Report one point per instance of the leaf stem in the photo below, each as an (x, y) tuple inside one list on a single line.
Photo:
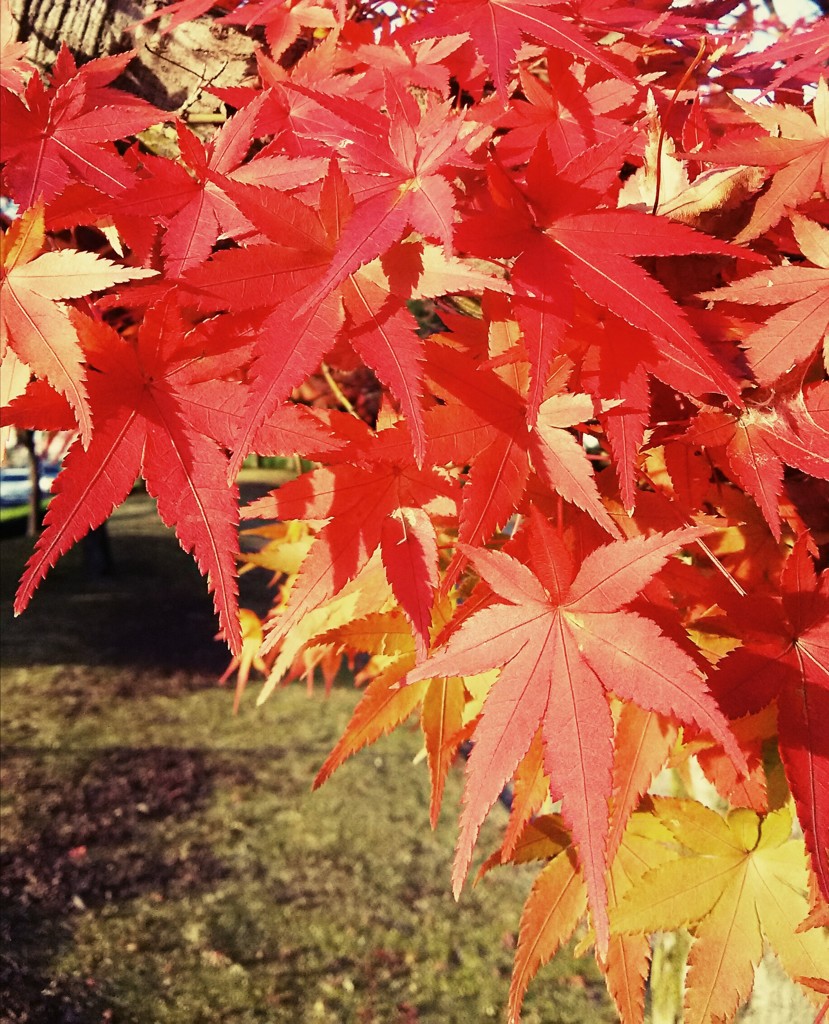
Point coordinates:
[(682, 83)]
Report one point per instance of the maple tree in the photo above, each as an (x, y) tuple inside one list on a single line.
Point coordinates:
[(582, 524)]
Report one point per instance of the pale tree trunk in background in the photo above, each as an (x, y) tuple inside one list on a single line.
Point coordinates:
[(667, 977), (89, 27), (776, 999), (170, 70)]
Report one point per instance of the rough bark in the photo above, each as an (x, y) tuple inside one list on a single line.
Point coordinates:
[(171, 69)]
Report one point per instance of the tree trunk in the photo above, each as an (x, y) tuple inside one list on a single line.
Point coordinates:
[(171, 70), (97, 553), (34, 520)]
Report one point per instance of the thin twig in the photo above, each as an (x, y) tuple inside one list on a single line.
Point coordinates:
[(336, 390), (718, 565)]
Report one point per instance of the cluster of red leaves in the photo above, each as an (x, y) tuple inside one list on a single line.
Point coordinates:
[(581, 528)]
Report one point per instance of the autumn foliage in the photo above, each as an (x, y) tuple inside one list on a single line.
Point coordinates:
[(539, 293)]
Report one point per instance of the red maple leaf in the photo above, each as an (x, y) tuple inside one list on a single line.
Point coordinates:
[(563, 642), (497, 28), (406, 163), (652, 17), (570, 117), (289, 251), (179, 12), (51, 137), (300, 115), (614, 370), (785, 658), (154, 414), (263, 277), (788, 337), (482, 424), (282, 21), (796, 58), (195, 199), (773, 431), (425, 64), (564, 244), (366, 309)]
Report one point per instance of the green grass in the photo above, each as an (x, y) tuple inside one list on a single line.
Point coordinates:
[(8, 515), (166, 862)]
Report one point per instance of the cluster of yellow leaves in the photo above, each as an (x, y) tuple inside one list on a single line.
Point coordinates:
[(733, 882), (738, 881)]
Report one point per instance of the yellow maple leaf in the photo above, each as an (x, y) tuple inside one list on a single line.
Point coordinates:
[(745, 879)]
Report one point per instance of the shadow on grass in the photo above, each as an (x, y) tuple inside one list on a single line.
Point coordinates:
[(87, 838), (152, 611), (88, 843)]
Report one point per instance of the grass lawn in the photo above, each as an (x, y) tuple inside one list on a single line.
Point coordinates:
[(163, 861), (8, 515)]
